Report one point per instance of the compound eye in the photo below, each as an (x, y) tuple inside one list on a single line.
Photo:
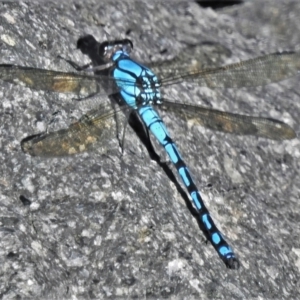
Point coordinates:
[(103, 49), (86, 43), (128, 43)]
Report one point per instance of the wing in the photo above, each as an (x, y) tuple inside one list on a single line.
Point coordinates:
[(83, 85), (254, 72), (96, 128), (229, 122), (201, 56)]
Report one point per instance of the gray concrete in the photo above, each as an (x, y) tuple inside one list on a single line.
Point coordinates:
[(115, 226)]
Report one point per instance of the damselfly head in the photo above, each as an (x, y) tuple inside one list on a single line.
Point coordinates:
[(87, 44)]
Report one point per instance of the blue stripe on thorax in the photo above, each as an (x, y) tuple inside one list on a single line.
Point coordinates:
[(129, 76)]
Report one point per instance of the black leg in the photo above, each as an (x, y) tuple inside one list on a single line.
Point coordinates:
[(74, 65)]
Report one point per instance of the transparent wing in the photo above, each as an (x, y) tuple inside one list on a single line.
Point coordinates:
[(83, 85), (254, 72), (97, 128), (229, 122), (201, 56)]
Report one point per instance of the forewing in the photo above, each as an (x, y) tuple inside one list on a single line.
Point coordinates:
[(81, 84), (191, 58), (229, 122), (254, 72)]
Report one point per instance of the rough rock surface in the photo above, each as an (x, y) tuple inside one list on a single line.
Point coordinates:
[(112, 226)]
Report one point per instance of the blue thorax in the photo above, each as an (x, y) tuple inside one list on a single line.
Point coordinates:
[(138, 84)]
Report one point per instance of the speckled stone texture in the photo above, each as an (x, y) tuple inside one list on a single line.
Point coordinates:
[(97, 226)]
